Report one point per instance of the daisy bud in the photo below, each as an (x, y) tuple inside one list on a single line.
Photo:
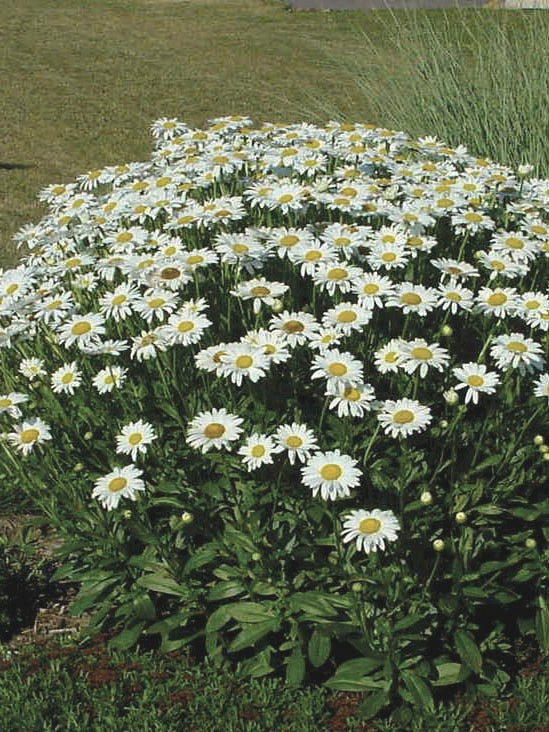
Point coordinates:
[(426, 498), (461, 517), (543, 449), (530, 543), (451, 397), (524, 170), (78, 468), (539, 440), (277, 305), (88, 435), (546, 456), (186, 517), (446, 331), (443, 423), (127, 514), (438, 545), (356, 587), (256, 556)]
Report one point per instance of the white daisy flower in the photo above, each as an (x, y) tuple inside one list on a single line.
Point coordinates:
[(517, 351), (257, 451), (120, 483), (324, 339), (351, 400), (542, 386), (413, 299), (371, 289), (30, 368), (209, 359), (273, 346), (296, 328), (66, 379), (172, 275), (109, 378), (156, 303), (388, 256), (261, 291), (330, 473), (147, 344), (403, 417), (336, 276), (9, 402), (243, 360), (184, 327), (54, 308), (119, 303), (389, 358), (28, 434), (453, 268), (309, 256), (371, 529), (346, 317), (81, 329), (500, 265), (337, 367), (454, 297), (214, 429), (476, 379), (420, 354), (134, 438), (500, 302), (297, 440)]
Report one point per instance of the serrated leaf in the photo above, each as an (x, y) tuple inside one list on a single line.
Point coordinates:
[(418, 689), (161, 583), (318, 648), (295, 669), (250, 635), (223, 590), (468, 650)]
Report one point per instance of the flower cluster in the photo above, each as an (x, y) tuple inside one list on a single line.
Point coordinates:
[(242, 257)]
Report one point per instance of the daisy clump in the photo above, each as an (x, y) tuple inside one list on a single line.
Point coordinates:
[(233, 372)]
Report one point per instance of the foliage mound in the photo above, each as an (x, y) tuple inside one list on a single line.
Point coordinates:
[(282, 391)]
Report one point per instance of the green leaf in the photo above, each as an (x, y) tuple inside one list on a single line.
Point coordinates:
[(468, 650), (357, 667), (488, 463), (318, 648), (295, 670), (202, 556), (372, 704), (249, 612), (259, 665), (450, 673), (408, 622), (313, 603), (161, 583), (127, 638), (252, 634), (419, 690), (223, 590), (218, 619), (349, 684), (542, 624)]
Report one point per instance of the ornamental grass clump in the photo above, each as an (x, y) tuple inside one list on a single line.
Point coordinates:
[(283, 392)]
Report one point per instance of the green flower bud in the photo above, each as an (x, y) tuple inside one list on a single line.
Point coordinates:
[(277, 305), (356, 587), (447, 331), (443, 424), (426, 498), (438, 545), (78, 468), (543, 449), (530, 543), (451, 397), (256, 556), (88, 435), (539, 440), (461, 517), (186, 517)]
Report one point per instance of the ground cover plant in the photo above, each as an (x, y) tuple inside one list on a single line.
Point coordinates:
[(282, 391)]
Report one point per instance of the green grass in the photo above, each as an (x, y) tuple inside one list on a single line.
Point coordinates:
[(64, 687)]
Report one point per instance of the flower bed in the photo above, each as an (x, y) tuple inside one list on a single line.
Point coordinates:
[(283, 392)]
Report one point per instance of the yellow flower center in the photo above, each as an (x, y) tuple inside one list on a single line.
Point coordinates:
[(330, 471), (538, 229), (410, 298), (388, 256), (293, 326), (444, 202), (214, 430), (475, 380), (109, 379), (390, 357), (294, 441), (346, 316), (532, 304), (337, 273), (285, 198), (421, 353), (72, 262), (517, 347), (260, 291), (454, 296), (257, 451), (370, 289), (135, 438), (29, 435), (369, 526), (454, 270), (81, 328), (244, 362), (497, 298), (185, 326), (351, 393), (170, 273), (473, 217), (403, 416), (195, 259), (4, 403), (119, 299), (290, 240), (126, 236), (156, 302), (220, 159), (144, 263), (312, 255), (117, 484), (514, 242), (337, 369), (341, 241), (54, 304), (414, 241), (67, 378), (240, 248)]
